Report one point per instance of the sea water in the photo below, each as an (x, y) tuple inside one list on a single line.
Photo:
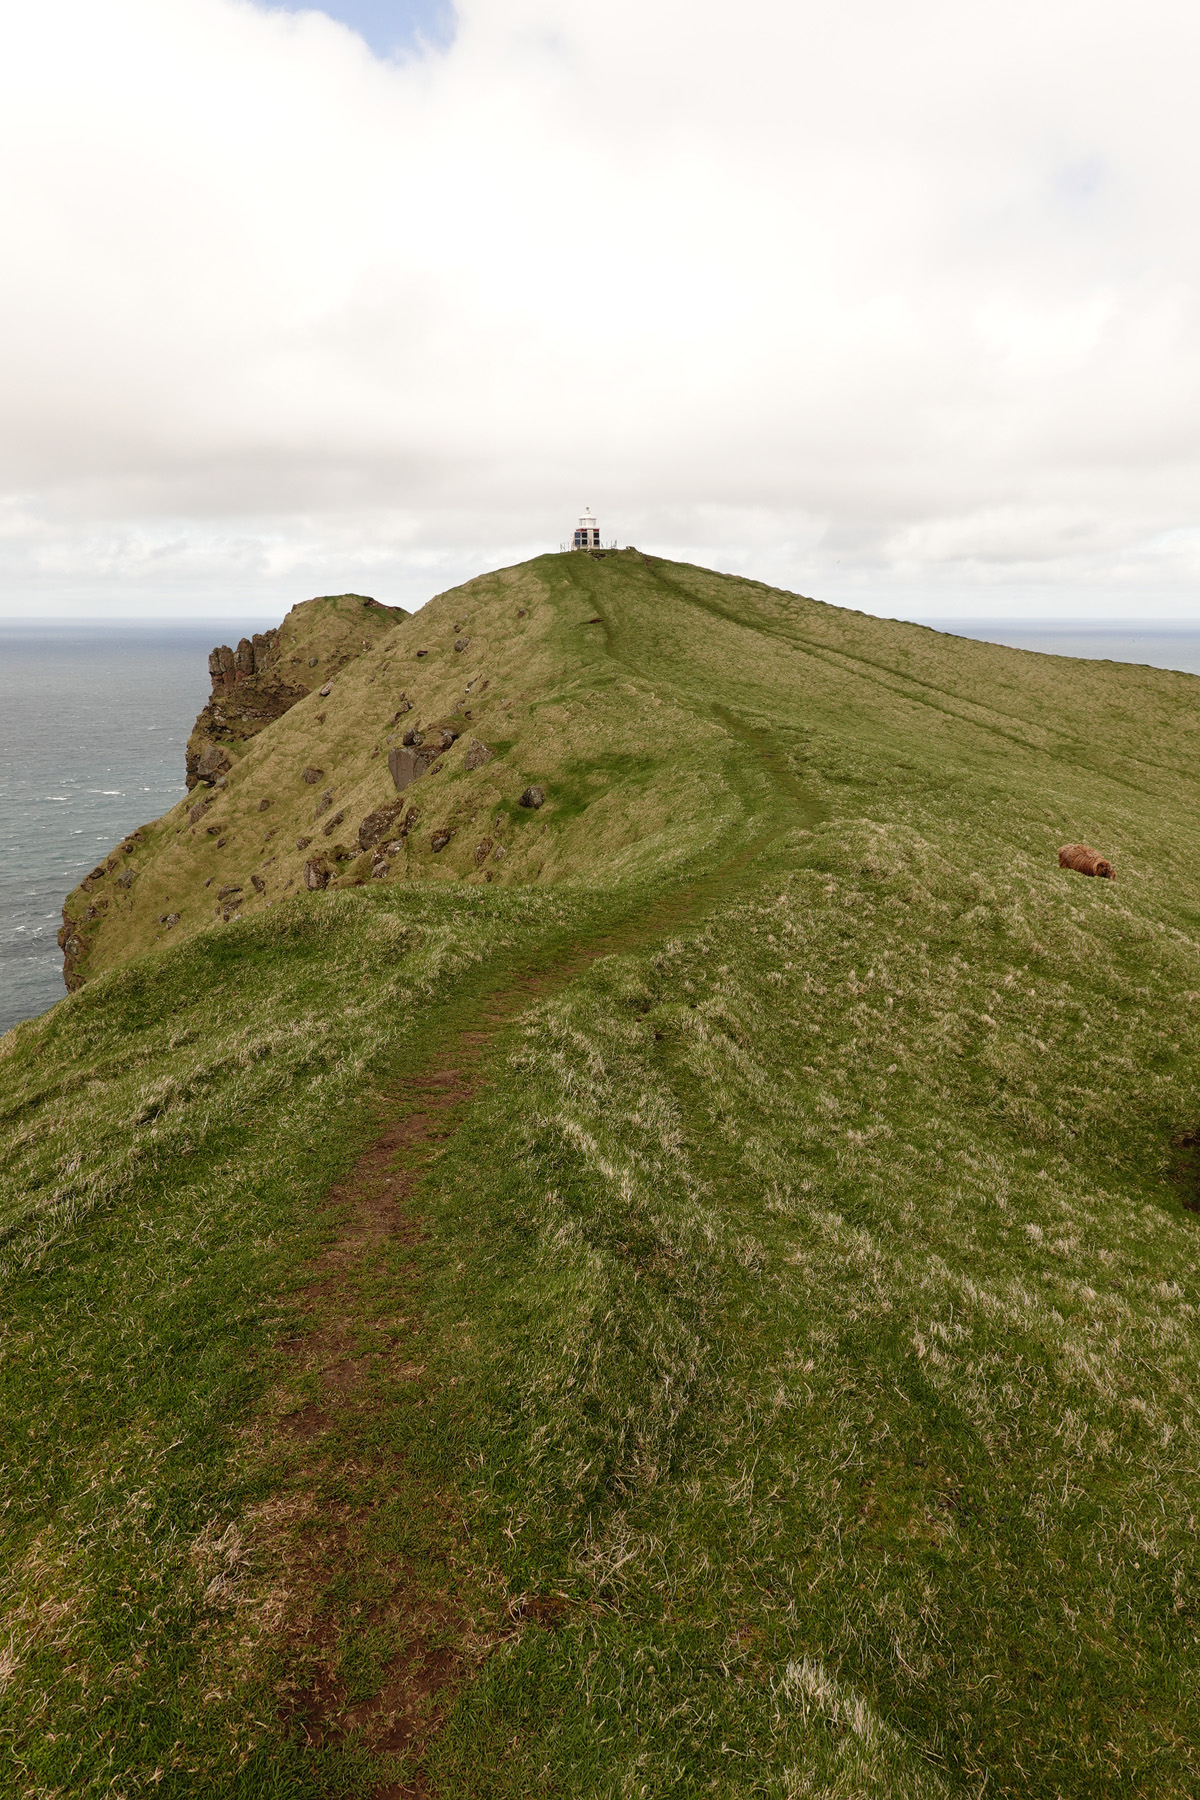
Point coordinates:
[(1161, 646), (93, 726)]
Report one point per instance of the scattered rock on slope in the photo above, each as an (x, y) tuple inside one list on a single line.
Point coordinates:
[(407, 764), (205, 760), (534, 797), (477, 754), (376, 826)]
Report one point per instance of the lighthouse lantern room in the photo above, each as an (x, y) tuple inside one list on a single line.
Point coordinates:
[(586, 535), (587, 532)]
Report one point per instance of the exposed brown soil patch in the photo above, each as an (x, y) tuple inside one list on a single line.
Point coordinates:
[(416, 1681), (1186, 1170)]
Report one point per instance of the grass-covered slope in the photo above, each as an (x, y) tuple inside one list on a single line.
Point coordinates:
[(532, 682), (757, 1357)]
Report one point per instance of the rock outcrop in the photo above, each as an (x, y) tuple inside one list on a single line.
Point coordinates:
[(406, 763), (378, 824), (249, 691), (253, 656), (269, 672)]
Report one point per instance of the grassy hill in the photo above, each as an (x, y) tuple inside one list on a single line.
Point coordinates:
[(688, 1289)]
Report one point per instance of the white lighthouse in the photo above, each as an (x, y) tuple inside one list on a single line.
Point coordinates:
[(587, 532)]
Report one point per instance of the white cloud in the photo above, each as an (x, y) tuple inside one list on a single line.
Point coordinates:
[(897, 305)]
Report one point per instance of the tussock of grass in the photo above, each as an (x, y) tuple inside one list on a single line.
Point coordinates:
[(806, 1303)]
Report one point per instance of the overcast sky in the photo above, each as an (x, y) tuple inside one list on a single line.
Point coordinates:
[(893, 304)]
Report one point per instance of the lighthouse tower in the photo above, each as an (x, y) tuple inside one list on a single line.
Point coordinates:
[(587, 532)]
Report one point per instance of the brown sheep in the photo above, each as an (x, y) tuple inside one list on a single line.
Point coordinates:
[(1086, 860)]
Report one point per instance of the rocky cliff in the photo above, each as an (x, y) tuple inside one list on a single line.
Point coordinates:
[(256, 684), (252, 687)]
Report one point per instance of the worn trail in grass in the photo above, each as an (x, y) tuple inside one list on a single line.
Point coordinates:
[(320, 1558)]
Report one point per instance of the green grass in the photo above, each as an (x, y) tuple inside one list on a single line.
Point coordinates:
[(805, 1299)]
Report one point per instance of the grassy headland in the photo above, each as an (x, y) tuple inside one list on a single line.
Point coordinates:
[(707, 1310)]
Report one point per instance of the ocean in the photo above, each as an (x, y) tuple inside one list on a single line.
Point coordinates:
[(1161, 646), (93, 724)]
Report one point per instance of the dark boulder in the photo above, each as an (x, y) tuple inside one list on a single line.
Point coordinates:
[(408, 764), (378, 824), (534, 797), (316, 874), (477, 754), (210, 761)]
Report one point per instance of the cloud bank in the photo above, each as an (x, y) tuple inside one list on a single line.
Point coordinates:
[(893, 305)]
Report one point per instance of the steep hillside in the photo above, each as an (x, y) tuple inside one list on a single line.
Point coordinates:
[(686, 1287), (258, 682), (111, 914)]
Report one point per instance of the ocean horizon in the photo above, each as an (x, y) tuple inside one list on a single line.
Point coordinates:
[(95, 717)]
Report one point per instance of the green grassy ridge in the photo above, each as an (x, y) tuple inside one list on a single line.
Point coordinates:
[(806, 1294), (554, 705)]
